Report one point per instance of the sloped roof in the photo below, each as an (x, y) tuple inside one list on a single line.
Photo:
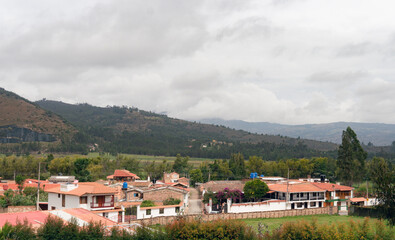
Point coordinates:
[(124, 173), (140, 184), (216, 186), (34, 218), (330, 186), (85, 188), (297, 187)]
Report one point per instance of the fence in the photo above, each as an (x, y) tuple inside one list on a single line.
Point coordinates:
[(226, 216)]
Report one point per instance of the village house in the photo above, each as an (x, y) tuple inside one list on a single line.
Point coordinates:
[(336, 195), (122, 175), (88, 195)]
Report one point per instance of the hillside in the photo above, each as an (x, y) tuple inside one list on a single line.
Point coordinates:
[(130, 130), (376, 133), (24, 121)]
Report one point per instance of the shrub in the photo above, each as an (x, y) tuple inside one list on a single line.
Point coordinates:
[(171, 201), (147, 203)]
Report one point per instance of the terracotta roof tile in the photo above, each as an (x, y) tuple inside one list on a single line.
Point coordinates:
[(124, 173), (297, 187), (330, 186), (85, 188), (216, 186)]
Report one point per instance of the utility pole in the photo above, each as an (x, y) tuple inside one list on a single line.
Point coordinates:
[(38, 187), (287, 196)]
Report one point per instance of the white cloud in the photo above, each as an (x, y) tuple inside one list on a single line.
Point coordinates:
[(286, 61)]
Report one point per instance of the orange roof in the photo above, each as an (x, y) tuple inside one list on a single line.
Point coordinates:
[(85, 188), (124, 173), (34, 218), (330, 186), (292, 188), (88, 216)]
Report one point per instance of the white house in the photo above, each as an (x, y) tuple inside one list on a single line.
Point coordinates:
[(88, 195)]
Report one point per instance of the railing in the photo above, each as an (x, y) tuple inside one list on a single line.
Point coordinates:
[(102, 205)]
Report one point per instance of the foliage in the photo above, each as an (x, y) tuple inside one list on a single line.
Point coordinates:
[(255, 189), (220, 229), (196, 176), (171, 201), (383, 177), (181, 165), (237, 166), (147, 203), (11, 198), (351, 158), (207, 195), (312, 230), (235, 195)]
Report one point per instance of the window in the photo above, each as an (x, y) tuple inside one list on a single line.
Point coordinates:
[(148, 212), (161, 210), (135, 194), (177, 209), (301, 195), (83, 200), (314, 194), (312, 204), (53, 208), (299, 205), (58, 195)]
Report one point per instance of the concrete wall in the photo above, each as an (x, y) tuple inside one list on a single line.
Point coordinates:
[(55, 200), (214, 217), (256, 207), (16, 209), (155, 211)]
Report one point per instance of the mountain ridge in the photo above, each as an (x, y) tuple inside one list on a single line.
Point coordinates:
[(379, 134)]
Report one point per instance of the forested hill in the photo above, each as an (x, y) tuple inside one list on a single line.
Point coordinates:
[(24, 121), (130, 130), (378, 134)]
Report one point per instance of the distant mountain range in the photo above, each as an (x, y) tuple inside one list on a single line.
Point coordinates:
[(378, 134)]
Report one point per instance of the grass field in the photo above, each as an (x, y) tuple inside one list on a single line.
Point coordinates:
[(274, 223), (149, 158)]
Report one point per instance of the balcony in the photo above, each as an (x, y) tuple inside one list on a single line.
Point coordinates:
[(102, 205)]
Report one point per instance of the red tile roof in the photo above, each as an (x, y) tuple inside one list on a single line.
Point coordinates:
[(330, 186), (34, 218), (292, 188), (88, 216), (124, 173), (85, 188)]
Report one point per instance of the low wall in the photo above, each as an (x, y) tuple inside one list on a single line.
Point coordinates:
[(16, 209), (214, 217)]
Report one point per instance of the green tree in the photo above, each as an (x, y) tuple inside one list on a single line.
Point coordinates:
[(181, 165), (196, 176), (255, 189), (20, 180), (351, 158), (255, 164), (81, 169), (237, 166), (383, 178)]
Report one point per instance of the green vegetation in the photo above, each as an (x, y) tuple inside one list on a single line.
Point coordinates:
[(383, 177), (26, 198), (255, 189), (147, 203), (171, 201), (351, 158), (55, 229)]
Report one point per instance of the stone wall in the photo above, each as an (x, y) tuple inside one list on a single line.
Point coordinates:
[(14, 209), (214, 217)]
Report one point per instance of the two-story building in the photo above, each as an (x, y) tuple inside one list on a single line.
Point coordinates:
[(336, 195), (88, 195)]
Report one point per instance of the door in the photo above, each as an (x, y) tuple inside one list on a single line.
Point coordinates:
[(100, 200)]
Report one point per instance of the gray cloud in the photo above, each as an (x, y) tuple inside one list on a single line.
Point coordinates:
[(286, 61)]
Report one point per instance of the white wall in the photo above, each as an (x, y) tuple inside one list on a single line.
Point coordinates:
[(256, 207), (168, 211), (55, 201)]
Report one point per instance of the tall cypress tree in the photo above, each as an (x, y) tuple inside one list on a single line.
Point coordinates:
[(237, 166), (351, 158)]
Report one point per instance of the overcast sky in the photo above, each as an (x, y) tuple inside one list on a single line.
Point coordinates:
[(282, 61)]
